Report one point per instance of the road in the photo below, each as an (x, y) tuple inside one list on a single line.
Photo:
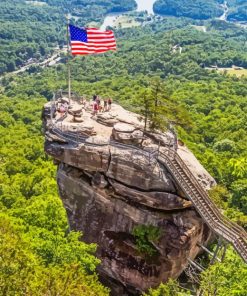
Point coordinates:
[(50, 61)]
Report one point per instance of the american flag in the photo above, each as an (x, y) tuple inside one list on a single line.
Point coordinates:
[(90, 40)]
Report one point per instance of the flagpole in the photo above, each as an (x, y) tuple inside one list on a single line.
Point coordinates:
[(68, 62)]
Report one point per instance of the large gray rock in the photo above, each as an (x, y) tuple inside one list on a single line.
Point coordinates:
[(136, 169), (108, 188), (154, 199), (127, 134)]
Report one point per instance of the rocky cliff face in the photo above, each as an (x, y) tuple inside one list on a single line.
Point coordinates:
[(109, 189)]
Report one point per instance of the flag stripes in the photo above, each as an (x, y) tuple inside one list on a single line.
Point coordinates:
[(91, 40)]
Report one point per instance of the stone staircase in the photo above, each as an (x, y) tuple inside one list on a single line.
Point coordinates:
[(209, 212)]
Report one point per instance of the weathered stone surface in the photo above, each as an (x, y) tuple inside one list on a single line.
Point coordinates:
[(85, 157), (123, 128), (127, 134), (64, 100), (204, 178), (155, 200), (54, 138), (75, 109), (97, 140), (107, 119), (109, 222), (80, 129), (136, 169), (165, 139)]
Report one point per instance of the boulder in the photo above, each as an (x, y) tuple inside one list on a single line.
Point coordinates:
[(202, 176), (138, 169), (127, 134), (155, 200), (107, 119)]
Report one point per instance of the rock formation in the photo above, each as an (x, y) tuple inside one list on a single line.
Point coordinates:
[(111, 183)]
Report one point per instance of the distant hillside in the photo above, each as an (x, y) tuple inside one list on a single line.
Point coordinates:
[(196, 9), (237, 10), (31, 29), (200, 9)]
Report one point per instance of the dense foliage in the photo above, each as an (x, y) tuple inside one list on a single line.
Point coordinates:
[(27, 31), (237, 10), (197, 9), (145, 236), (31, 29), (221, 279), (39, 255)]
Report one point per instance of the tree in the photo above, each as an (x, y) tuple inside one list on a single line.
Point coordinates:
[(145, 103), (159, 109), (10, 66), (227, 278), (171, 288)]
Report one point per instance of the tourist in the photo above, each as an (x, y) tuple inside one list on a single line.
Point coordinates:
[(100, 106), (105, 105), (98, 102), (95, 108), (62, 110), (109, 104)]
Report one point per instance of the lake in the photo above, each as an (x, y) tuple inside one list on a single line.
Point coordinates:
[(145, 5), (141, 6)]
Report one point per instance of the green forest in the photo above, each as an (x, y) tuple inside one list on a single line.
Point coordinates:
[(38, 254), (37, 29), (237, 10), (199, 9), (39, 26)]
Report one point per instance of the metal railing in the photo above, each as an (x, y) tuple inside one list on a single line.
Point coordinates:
[(209, 212)]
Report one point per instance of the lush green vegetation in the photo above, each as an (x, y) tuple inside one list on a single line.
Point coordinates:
[(39, 255), (237, 10), (27, 31), (145, 236), (31, 31), (221, 279), (196, 9), (199, 9)]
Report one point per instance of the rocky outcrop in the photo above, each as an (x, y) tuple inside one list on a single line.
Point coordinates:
[(109, 189)]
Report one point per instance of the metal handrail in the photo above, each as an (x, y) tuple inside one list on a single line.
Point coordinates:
[(223, 227), (206, 196)]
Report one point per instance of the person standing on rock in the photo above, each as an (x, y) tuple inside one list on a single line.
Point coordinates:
[(98, 103), (105, 105), (95, 108), (109, 104)]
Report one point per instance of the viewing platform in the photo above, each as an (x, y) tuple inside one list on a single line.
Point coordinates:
[(77, 116)]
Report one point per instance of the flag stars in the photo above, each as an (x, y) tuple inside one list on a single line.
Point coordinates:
[(77, 34)]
